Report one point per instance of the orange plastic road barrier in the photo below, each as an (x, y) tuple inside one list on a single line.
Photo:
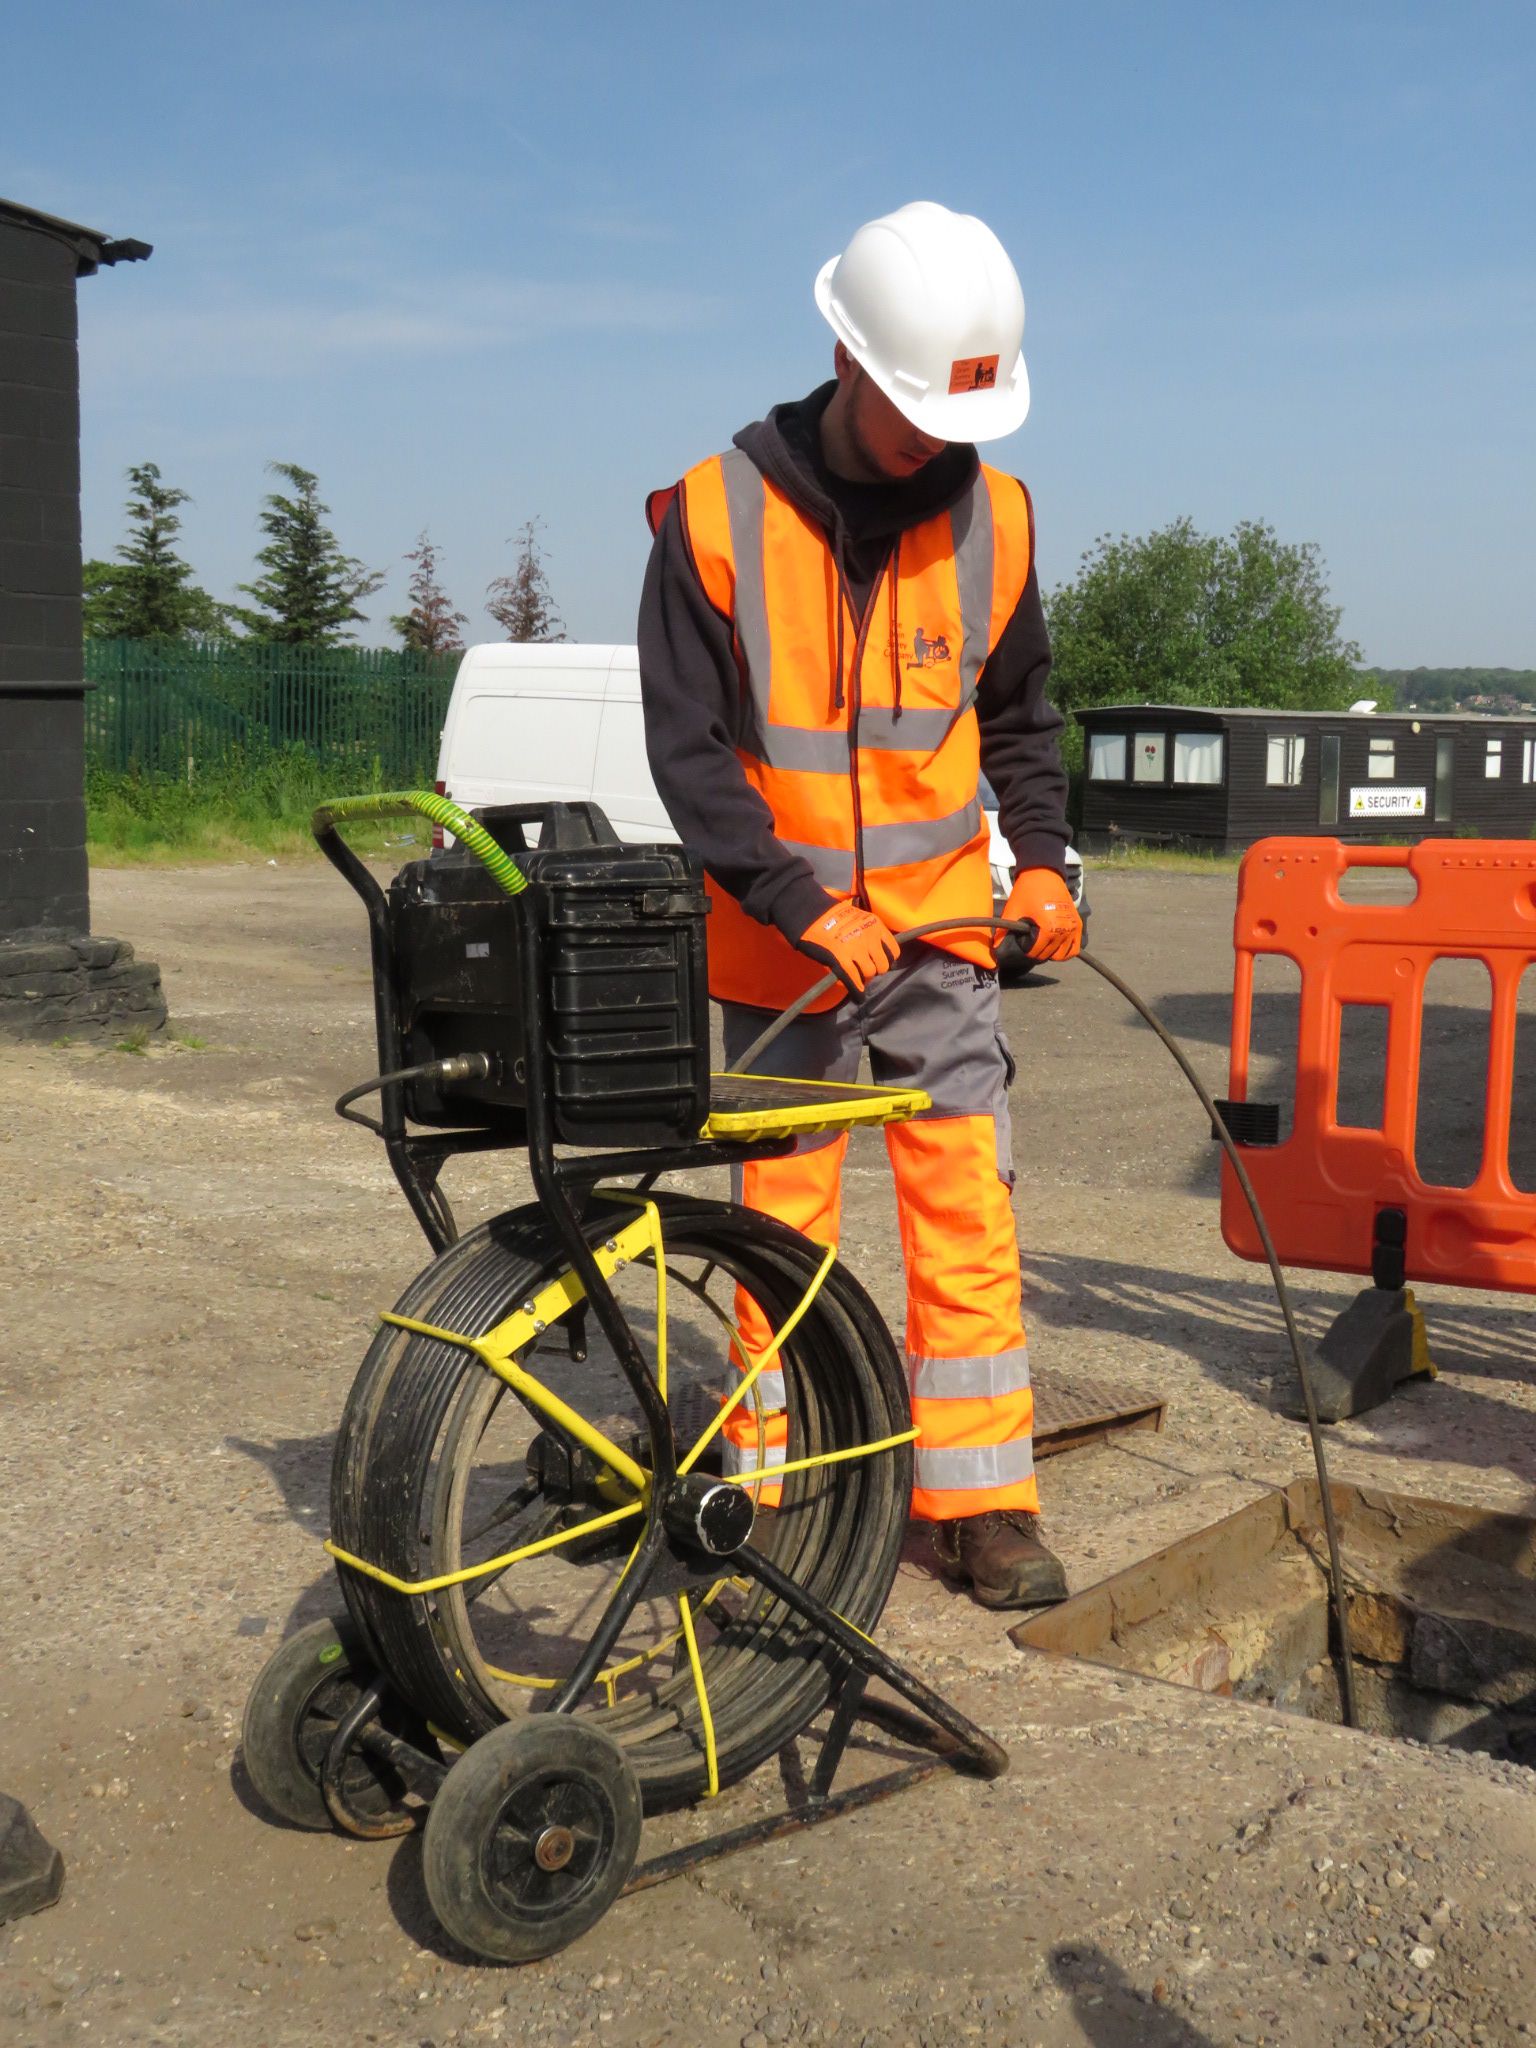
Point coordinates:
[(1325, 1188)]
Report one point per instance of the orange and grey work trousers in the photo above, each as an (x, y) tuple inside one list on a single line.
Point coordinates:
[(930, 1022)]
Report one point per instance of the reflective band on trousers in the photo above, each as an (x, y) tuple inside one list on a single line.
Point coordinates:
[(968, 1379), (768, 1387), (985, 1466), (739, 1458)]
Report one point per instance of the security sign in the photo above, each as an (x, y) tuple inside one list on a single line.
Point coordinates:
[(1386, 800)]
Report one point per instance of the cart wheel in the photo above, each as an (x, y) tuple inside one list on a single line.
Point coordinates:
[(304, 1689), (531, 1838)]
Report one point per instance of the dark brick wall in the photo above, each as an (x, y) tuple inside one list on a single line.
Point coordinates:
[(43, 878)]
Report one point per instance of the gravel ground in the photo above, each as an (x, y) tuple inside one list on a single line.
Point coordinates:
[(196, 1253)]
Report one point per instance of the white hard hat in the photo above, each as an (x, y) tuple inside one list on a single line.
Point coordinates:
[(928, 303)]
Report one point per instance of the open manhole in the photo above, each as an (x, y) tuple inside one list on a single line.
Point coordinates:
[(1441, 1601)]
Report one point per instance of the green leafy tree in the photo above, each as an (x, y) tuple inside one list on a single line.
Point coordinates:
[(431, 626), (310, 591), (521, 604), (1181, 617), (148, 592)]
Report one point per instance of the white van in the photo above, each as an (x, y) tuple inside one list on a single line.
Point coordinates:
[(534, 723)]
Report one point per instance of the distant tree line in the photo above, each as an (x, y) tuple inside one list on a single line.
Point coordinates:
[(1455, 689), (307, 591)]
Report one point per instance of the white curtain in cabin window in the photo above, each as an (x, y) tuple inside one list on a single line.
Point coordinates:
[(1197, 757), (1106, 757), (1284, 753)]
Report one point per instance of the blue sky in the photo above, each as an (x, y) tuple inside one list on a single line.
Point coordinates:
[(475, 263)]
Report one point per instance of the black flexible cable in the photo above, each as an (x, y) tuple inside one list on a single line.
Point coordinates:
[(464, 1066), (1148, 1015)]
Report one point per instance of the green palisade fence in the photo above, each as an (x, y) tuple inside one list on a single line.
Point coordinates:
[(181, 710)]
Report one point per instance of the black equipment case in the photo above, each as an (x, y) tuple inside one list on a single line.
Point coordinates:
[(620, 992)]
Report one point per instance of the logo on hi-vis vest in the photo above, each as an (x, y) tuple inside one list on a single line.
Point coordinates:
[(928, 653), (972, 373)]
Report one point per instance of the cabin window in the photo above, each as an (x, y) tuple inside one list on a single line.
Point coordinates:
[(1528, 761), (1284, 753), (1151, 754), (1445, 777), (1197, 757), (1493, 760), (1106, 757), (1381, 762)]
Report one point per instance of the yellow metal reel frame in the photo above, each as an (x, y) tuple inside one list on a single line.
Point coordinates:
[(496, 1352)]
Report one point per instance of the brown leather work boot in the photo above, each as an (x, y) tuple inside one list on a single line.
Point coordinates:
[(1002, 1557)]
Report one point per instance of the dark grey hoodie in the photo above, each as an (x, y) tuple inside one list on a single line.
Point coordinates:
[(693, 691)]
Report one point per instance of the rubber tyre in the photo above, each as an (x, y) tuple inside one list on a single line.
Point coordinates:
[(303, 1689), (482, 1876)]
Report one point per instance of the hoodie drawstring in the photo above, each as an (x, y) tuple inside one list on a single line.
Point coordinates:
[(895, 575)]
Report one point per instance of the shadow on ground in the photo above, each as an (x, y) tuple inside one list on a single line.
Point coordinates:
[(1232, 1331), (1110, 2010)]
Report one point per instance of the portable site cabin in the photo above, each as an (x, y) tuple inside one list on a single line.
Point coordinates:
[(1182, 774)]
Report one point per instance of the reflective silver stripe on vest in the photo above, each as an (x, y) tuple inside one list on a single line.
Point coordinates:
[(969, 1379), (970, 522), (831, 866), (986, 1465), (768, 1386), (880, 731), (744, 509), (922, 730), (895, 846)]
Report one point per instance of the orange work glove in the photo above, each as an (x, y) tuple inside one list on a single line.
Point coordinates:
[(852, 942), (1041, 896)]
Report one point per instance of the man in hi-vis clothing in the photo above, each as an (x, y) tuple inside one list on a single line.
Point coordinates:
[(841, 632)]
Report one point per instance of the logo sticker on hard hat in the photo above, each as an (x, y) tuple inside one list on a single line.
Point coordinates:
[(972, 373)]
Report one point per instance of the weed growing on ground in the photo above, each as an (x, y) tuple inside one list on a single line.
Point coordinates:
[(190, 1040), (135, 1041), (256, 804), (1182, 860)]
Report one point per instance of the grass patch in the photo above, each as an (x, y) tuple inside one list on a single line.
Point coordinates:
[(134, 1041), (1178, 860), (252, 807)]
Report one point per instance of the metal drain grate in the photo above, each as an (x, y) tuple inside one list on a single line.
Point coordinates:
[(1077, 1408)]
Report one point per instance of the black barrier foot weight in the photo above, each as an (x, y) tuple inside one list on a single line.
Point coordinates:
[(1378, 1342), (31, 1869)]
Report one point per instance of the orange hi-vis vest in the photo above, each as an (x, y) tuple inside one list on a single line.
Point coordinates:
[(860, 734)]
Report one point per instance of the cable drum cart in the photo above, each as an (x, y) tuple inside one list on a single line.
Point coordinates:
[(563, 1606)]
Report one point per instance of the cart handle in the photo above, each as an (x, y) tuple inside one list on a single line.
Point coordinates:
[(399, 803)]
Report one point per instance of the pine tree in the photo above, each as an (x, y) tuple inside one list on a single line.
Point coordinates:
[(521, 604), (431, 626), (148, 592), (310, 591)]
